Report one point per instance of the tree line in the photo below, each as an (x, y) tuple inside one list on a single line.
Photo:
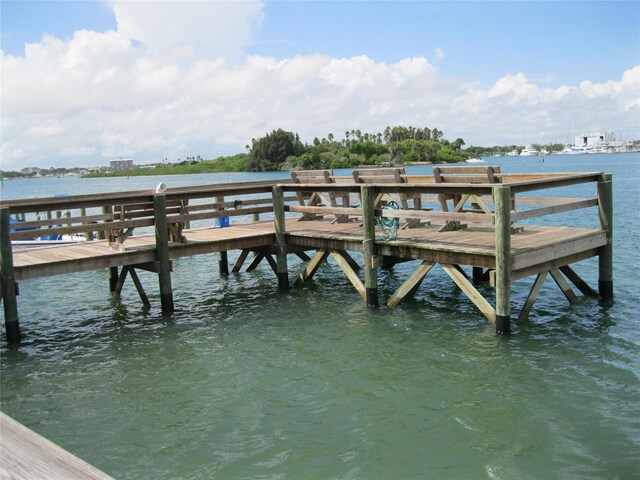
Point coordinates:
[(282, 150)]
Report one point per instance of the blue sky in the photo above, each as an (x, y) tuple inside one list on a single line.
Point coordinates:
[(559, 42), (470, 53)]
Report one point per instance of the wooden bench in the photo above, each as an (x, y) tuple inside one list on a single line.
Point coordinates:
[(318, 198), (391, 175), (465, 174), (125, 218)]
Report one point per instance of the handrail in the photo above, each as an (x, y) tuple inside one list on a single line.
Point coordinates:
[(134, 209), (137, 206)]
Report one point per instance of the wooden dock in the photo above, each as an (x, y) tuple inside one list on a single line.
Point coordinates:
[(461, 217), (25, 455)]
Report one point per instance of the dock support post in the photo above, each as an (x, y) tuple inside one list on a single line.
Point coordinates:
[(605, 253), (369, 245), (9, 298), (113, 279), (223, 258), (281, 247), (162, 252), (477, 274), (502, 202)]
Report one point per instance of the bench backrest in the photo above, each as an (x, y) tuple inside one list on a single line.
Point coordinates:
[(485, 174), (379, 175)]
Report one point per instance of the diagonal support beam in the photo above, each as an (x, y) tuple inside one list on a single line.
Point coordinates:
[(312, 267), (138, 284), (303, 256), (470, 291), (272, 263), (411, 284), (238, 265), (256, 261), (349, 259), (564, 286), (480, 203), (130, 269), (578, 282), (531, 298), (120, 282), (349, 272)]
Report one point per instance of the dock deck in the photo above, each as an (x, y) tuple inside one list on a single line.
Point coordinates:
[(25, 455), (534, 248)]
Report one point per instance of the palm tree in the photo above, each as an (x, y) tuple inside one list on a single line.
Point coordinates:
[(458, 144)]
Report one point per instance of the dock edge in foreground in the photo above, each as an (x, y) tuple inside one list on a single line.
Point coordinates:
[(26, 455)]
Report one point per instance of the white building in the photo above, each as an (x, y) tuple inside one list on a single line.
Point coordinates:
[(29, 170), (121, 164), (594, 140)]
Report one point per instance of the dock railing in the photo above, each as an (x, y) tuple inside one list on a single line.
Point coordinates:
[(473, 205), (115, 216)]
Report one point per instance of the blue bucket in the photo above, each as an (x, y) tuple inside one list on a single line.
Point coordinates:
[(223, 222)]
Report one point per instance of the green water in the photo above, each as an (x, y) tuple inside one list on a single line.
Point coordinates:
[(244, 381)]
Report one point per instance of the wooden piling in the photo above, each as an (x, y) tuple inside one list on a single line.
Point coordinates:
[(280, 247), (477, 274), (223, 258), (9, 295), (162, 252), (502, 202), (605, 253), (369, 245), (113, 279)]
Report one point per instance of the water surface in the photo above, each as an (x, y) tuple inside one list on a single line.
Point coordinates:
[(244, 381)]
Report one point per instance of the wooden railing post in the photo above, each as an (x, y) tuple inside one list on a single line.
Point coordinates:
[(9, 298), (281, 246), (162, 252), (605, 253), (106, 210), (502, 202), (369, 245)]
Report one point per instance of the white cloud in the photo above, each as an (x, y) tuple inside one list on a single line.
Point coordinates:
[(198, 27), (101, 95)]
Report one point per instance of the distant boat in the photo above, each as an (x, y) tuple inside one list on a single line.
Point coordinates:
[(475, 160), (50, 240), (572, 150), (43, 240), (529, 151), (513, 153)]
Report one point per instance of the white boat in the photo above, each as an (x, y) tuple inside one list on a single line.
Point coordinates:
[(572, 150), (529, 151), (513, 153), (474, 160), (44, 240)]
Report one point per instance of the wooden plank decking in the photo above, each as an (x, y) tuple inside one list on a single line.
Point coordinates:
[(25, 455), (474, 246)]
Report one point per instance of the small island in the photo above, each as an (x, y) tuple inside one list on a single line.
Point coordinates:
[(284, 150)]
